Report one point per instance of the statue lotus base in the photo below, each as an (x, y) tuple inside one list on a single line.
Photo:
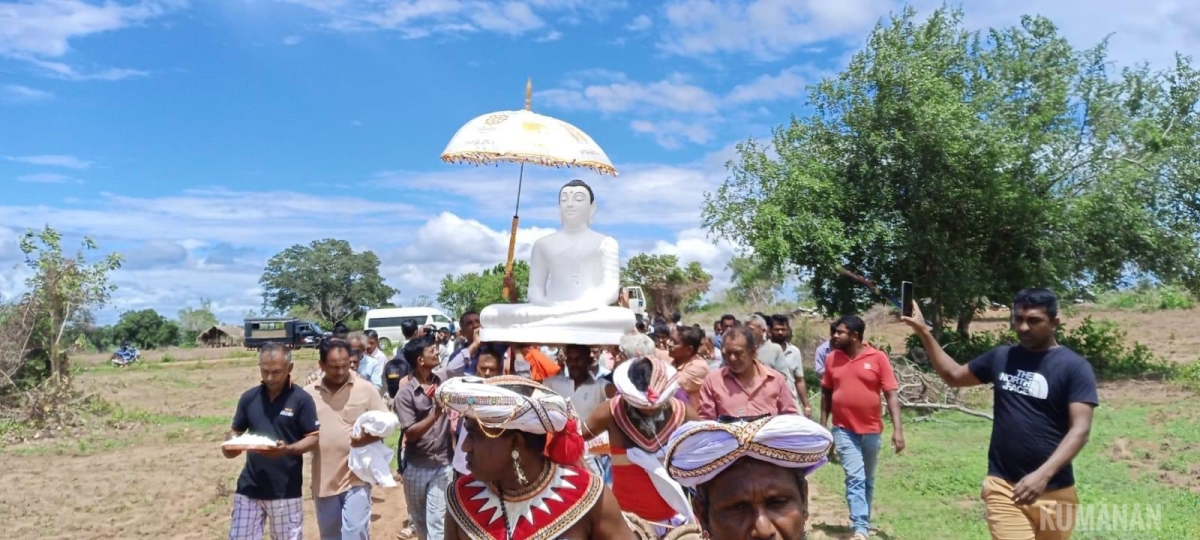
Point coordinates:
[(549, 335), (528, 323)]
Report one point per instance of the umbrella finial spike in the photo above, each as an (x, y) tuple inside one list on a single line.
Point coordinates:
[(529, 94)]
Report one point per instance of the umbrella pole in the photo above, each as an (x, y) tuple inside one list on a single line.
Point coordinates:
[(512, 238)]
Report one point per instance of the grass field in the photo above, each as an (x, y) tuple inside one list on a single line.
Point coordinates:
[(1144, 449), (145, 462)]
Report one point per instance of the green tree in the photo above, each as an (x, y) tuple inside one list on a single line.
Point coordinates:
[(61, 288), (326, 277), (668, 286), (193, 321), (146, 329), (975, 164), (473, 291), (755, 282)]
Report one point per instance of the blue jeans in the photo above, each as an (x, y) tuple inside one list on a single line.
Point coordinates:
[(602, 466), (859, 453), (345, 516)]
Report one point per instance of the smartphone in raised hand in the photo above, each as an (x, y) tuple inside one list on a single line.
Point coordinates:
[(906, 298)]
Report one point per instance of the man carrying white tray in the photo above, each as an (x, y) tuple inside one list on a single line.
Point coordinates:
[(271, 483)]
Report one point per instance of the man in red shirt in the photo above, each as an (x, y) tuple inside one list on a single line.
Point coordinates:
[(855, 375)]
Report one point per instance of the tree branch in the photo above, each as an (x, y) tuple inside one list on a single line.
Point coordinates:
[(905, 404)]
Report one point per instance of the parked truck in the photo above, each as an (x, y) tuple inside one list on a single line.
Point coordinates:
[(295, 333)]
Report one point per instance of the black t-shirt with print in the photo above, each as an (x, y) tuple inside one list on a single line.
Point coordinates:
[(1033, 393), (290, 417)]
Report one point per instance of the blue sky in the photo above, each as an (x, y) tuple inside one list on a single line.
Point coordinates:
[(199, 138)]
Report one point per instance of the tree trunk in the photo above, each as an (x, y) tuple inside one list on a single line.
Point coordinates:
[(964, 322)]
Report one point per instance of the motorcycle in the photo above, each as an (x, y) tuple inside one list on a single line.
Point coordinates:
[(125, 356)]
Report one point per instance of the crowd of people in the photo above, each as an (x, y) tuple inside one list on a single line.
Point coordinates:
[(677, 431)]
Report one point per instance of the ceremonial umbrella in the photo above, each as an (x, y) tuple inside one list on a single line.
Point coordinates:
[(524, 137)]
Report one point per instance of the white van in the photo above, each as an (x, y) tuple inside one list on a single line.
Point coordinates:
[(387, 321)]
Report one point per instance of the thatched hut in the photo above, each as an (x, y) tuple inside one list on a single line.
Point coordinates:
[(221, 336)]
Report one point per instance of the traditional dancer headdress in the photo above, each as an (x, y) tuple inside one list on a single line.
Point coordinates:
[(699, 451), (497, 409), (664, 382)]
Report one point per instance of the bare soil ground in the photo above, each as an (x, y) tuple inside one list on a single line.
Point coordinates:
[(160, 474)]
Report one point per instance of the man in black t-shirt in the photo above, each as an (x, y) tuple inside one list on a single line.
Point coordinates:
[(269, 487), (1044, 396)]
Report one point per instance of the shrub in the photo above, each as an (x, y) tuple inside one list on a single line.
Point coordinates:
[(1102, 343), (1188, 375), (1147, 297)]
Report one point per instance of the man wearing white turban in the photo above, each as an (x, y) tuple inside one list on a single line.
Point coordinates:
[(747, 479), (639, 419), (527, 479)]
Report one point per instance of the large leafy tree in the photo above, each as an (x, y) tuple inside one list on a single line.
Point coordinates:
[(146, 329), (975, 164), (474, 290), (327, 277), (668, 286)]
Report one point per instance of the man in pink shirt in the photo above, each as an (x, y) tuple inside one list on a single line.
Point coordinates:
[(743, 388)]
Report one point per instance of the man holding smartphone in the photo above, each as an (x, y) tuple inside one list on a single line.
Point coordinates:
[(1044, 397)]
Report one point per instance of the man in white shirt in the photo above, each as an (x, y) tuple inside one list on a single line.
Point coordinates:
[(580, 385), (781, 334), (445, 345), (373, 359)]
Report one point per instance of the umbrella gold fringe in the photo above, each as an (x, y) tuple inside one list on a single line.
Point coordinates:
[(487, 158)]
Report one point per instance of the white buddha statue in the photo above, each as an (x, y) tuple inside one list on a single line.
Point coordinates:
[(574, 278)]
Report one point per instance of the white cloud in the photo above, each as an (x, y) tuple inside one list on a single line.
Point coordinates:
[(643, 194), (672, 133), (1152, 30), (35, 31), (765, 29), (290, 40), (15, 93), (640, 23), (63, 71), (672, 94), (694, 245), (788, 84), (46, 28), (70, 162), (554, 35), (155, 253), (46, 178), (421, 18), (241, 217)]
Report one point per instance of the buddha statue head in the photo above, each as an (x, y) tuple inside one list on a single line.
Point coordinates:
[(576, 204)]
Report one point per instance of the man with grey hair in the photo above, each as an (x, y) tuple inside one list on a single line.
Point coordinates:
[(636, 346), (769, 353), (269, 488)]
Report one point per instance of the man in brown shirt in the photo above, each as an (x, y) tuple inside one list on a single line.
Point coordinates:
[(342, 500), (427, 442)]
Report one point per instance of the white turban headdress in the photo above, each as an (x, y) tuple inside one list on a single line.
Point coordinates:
[(664, 382), (497, 408), (699, 451)]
